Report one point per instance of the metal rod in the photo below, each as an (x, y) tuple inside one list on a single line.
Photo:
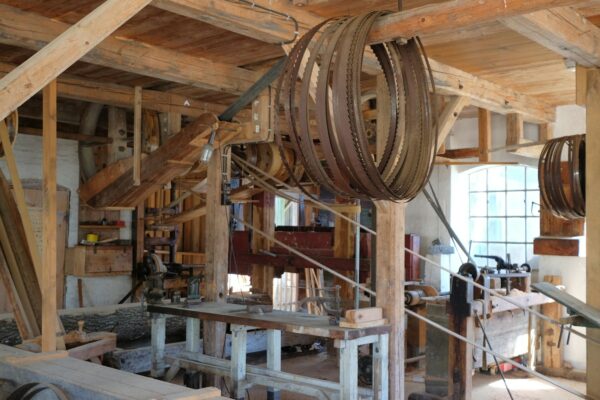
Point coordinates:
[(357, 261)]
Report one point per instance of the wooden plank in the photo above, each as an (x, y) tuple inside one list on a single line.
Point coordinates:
[(19, 195), (485, 134), (551, 350), (364, 314), (217, 257), (363, 324), (94, 349), (129, 55), (562, 30), (97, 140), (390, 219), (49, 270), (44, 66), (23, 324), (556, 247), (137, 135), (187, 215), (344, 239), (449, 116), (469, 152), (581, 85), (113, 186)]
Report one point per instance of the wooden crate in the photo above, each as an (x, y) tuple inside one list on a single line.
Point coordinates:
[(99, 260)]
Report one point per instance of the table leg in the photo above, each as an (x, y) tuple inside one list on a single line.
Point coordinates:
[(348, 369), (192, 379), (273, 359), (380, 367), (238, 360), (158, 336)]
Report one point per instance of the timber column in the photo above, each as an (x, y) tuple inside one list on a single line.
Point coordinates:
[(592, 149), (390, 285), (217, 256)]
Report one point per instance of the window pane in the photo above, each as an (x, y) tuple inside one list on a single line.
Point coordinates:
[(478, 229), (479, 249), (496, 231), (478, 204), (496, 204), (496, 178), (477, 181), (533, 203), (533, 229), (532, 178), (515, 204), (496, 249), (516, 229), (515, 178), (517, 253), (529, 252)]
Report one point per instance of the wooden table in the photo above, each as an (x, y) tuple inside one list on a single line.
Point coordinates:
[(244, 376)]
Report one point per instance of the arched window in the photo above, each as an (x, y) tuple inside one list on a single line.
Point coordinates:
[(504, 212)]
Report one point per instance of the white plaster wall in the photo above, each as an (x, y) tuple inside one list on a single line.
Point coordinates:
[(28, 153), (97, 291)]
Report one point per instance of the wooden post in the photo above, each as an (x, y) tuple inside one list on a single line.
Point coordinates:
[(137, 135), (485, 134), (217, 257), (460, 357), (390, 285), (48, 284), (592, 150), (551, 350), (344, 239), (263, 218)]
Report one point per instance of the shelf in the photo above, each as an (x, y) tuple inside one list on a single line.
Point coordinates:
[(108, 227)]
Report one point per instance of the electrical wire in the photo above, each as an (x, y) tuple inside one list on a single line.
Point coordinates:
[(253, 5)]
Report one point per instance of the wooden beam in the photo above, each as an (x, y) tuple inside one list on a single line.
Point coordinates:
[(592, 149), (434, 18), (137, 135), (552, 354), (128, 55), (562, 30), (99, 140), (217, 257), (390, 278), (452, 15), (581, 85), (71, 87), (263, 218), (469, 152), (49, 270), (35, 73), (449, 116), (488, 95), (485, 134), (514, 129), (556, 247)]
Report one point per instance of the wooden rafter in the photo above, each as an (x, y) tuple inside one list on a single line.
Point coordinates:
[(449, 116), (62, 51), (25, 29), (449, 80), (563, 31)]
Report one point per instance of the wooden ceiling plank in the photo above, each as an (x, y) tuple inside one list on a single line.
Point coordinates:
[(23, 29), (563, 31), (63, 51), (449, 80)]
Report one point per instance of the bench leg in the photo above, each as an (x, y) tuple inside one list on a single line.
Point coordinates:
[(348, 370), (158, 337), (238, 360), (273, 359), (380, 368)]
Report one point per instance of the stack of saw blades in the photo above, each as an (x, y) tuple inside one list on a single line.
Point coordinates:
[(320, 96), (562, 183)]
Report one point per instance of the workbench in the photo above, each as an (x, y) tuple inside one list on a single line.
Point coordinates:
[(243, 376)]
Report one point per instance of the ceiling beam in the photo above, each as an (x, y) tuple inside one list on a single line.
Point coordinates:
[(71, 87), (563, 31), (62, 51), (33, 31), (449, 80)]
